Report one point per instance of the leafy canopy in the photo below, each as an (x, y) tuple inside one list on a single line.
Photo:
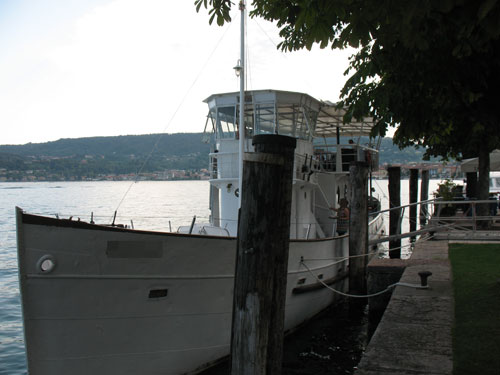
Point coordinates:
[(430, 68)]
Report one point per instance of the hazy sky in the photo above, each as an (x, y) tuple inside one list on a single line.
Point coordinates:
[(73, 68)]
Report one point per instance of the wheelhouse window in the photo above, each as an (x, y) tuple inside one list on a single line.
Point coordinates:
[(286, 120), (296, 121), (226, 122), (264, 118), (266, 112)]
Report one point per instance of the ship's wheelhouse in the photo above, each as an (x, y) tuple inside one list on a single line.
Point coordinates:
[(320, 177)]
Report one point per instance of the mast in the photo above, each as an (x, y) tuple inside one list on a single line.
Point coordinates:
[(242, 101)]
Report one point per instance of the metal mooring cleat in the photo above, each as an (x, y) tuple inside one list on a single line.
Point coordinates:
[(423, 277)]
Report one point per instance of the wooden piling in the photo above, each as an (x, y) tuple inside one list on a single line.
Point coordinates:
[(482, 209), (394, 215), (413, 199), (424, 195), (262, 257), (358, 227), (471, 188)]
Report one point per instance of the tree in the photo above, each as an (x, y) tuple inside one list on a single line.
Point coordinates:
[(429, 68)]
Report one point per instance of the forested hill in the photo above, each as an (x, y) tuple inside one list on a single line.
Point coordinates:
[(96, 156), (179, 144), (88, 158)]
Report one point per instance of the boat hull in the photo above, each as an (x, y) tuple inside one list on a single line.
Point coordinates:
[(105, 300)]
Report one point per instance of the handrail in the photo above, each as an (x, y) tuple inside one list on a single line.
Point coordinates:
[(439, 202), (470, 213), (470, 201), (406, 205)]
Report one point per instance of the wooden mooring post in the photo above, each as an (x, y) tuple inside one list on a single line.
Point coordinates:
[(413, 199), (471, 189), (424, 195), (262, 257), (358, 227), (394, 215)]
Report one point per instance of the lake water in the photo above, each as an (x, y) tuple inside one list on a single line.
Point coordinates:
[(153, 205)]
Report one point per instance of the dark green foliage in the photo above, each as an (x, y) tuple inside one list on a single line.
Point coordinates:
[(179, 144), (11, 161), (430, 68), (392, 154), (476, 334)]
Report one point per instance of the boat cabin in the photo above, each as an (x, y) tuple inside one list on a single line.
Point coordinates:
[(321, 161), (495, 183)]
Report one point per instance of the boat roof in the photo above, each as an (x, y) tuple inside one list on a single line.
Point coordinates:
[(472, 165), (329, 116)]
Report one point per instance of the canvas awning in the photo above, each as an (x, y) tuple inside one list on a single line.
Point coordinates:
[(472, 165), (329, 118)]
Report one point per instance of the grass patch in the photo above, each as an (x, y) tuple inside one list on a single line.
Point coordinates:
[(476, 286)]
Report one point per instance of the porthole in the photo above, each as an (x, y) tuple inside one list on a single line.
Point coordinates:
[(46, 264)]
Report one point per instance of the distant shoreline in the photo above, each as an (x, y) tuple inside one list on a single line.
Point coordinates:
[(105, 180)]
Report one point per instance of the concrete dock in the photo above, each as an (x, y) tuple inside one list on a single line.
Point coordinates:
[(414, 334)]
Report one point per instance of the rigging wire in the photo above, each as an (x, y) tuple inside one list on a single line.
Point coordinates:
[(174, 115), (268, 37)]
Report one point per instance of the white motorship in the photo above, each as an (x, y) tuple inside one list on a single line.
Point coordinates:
[(106, 299), (101, 299)]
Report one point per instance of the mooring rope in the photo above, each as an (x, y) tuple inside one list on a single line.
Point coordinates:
[(388, 289), (344, 258)]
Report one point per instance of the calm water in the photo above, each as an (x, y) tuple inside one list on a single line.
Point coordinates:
[(151, 205)]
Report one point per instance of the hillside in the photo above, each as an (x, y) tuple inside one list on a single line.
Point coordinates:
[(97, 157), (180, 144)]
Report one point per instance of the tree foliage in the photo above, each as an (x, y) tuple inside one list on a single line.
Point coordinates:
[(430, 68)]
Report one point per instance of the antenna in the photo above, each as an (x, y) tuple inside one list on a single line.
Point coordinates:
[(242, 100)]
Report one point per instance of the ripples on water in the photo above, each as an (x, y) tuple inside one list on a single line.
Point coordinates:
[(155, 206)]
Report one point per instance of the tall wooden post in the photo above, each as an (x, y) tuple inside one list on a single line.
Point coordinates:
[(394, 215), (358, 226), (262, 257), (413, 199), (471, 190), (424, 195), (483, 185)]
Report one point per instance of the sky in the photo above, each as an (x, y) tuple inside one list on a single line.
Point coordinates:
[(72, 68)]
